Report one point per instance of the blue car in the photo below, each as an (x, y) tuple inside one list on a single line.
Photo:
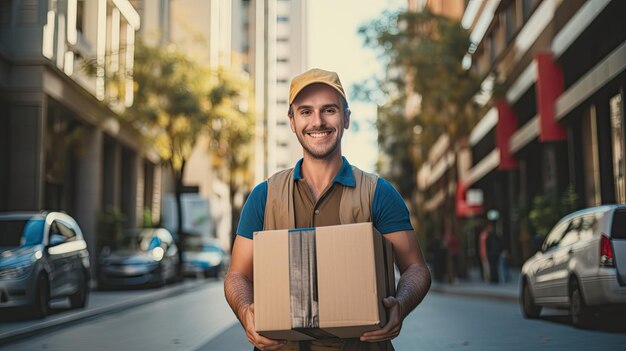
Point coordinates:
[(43, 256), (146, 257), (207, 259)]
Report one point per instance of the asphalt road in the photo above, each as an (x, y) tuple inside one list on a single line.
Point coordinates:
[(199, 319)]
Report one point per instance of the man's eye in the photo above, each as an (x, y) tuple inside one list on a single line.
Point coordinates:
[(305, 112), (330, 110)]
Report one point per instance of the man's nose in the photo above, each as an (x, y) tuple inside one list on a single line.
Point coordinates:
[(317, 118)]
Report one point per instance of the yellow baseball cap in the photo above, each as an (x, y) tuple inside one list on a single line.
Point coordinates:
[(313, 76)]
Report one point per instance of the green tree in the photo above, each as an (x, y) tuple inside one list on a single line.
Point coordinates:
[(232, 130), (548, 209), (176, 101), (424, 53)]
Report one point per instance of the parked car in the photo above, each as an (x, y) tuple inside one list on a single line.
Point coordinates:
[(146, 256), (43, 256), (581, 265), (207, 259)]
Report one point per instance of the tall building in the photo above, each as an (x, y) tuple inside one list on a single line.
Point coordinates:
[(558, 120), (203, 31), (275, 51), (63, 82)]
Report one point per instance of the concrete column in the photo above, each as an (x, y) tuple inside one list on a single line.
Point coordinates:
[(89, 190), (112, 171), (129, 187), (141, 184), (25, 178)]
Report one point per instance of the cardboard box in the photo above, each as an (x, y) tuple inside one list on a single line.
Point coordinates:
[(323, 282)]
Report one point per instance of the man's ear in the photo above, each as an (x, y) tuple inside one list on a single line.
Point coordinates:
[(346, 118), (291, 124)]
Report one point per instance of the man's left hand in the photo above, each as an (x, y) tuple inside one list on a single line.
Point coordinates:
[(393, 326)]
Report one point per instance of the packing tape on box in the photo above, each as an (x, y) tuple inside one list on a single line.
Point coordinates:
[(303, 284)]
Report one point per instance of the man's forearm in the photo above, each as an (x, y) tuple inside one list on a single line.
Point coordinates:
[(412, 288), (238, 292)]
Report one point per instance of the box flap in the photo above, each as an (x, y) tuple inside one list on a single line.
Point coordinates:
[(271, 284), (346, 263)]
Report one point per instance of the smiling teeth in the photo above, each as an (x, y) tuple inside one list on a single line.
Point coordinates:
[(319, 135)]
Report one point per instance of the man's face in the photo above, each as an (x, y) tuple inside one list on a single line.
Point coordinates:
[(319, 120)]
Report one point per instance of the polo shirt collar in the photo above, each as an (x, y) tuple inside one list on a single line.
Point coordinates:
[(343, 177)]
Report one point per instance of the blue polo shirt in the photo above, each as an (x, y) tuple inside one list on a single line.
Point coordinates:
[(389, 212)]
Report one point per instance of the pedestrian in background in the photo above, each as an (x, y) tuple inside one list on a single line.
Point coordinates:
[(319, 191), (492, 246), (482, 251), (503, 266), (494, 249)]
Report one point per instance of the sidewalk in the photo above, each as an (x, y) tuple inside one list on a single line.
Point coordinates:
[(473, 286), (106, 302), (15, 327)]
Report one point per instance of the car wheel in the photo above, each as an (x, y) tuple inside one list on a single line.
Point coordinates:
[(579, 311), (79, 298), (529, 308), (42, 297)]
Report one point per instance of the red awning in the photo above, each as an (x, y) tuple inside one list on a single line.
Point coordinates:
[(463, 209)]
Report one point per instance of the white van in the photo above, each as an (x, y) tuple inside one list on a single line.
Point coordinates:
[(581, 265)]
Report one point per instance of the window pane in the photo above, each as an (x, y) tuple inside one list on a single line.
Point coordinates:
[(619, 225), (617, 132)]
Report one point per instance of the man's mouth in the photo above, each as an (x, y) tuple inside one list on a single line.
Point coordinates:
[(318, 134)]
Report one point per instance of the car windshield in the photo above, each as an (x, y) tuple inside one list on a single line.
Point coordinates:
[(21, 232), (140, 240), (211, 248), (199, 247)]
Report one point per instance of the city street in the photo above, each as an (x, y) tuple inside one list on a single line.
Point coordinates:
[(198, 318)]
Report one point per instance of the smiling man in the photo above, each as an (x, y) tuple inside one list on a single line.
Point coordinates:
[(325, 190)]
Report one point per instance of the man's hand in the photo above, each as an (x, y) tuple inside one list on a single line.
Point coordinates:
[(262, 343), (393, 326)]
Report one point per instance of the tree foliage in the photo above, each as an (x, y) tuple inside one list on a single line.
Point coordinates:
[(424, 54), (548, 208), (172, 105), (178, 100), (232, 125)]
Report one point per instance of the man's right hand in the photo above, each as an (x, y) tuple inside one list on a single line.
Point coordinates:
[(262, 343)]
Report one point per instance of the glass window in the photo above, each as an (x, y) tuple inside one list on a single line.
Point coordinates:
[(588, 226), (33, 232), (80, 15), (591, 162), (15, 233), (509, 22), (527, 8), (5, 11), (491, 45), (572, 234), (617, 133), (61, 232), (555, 236), (618, 230)]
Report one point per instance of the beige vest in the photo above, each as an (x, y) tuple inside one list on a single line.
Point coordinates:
[(355, 207)]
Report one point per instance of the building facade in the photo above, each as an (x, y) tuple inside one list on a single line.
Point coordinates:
[(555, 119), (65, 76), (275, 51)]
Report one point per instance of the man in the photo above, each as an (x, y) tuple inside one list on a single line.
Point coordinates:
[(323, 189)]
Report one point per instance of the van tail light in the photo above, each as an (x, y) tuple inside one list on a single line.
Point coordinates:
[(606, 252)]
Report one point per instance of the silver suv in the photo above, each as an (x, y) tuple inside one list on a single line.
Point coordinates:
[(581, 265), (43, 256)]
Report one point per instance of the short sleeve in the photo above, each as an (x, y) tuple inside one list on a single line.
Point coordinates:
[(389, 211), (253, 212)]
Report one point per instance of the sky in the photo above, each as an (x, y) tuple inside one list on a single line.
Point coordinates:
[(334, 45)]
